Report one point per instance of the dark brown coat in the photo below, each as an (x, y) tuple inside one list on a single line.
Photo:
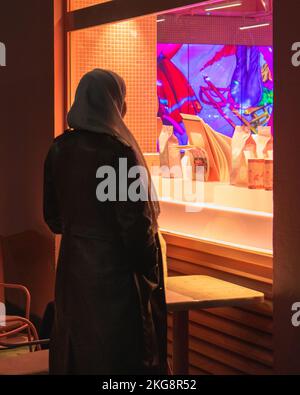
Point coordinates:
[(110, 309)]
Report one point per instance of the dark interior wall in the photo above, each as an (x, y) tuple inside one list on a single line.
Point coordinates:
[(287, 187), (26, 131)]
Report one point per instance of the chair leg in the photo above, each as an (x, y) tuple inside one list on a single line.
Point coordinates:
[(170, 371), (29, 336)]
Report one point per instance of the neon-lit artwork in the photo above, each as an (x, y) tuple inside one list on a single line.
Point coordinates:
[(225, 85)]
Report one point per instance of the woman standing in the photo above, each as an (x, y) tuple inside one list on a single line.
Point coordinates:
[(110, 309)]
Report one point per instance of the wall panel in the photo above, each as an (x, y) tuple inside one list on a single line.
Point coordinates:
[(128, 48)]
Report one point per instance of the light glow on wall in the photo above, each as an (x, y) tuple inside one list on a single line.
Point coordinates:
[(128, 48)]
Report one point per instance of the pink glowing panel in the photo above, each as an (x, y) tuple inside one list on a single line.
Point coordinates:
[(226, 85)]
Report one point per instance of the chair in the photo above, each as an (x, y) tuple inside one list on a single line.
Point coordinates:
[(35, 361), (11, 325)]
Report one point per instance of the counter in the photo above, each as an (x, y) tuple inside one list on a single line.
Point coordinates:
[(224, 214)]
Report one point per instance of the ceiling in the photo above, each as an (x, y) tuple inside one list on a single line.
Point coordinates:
[(247, 8)]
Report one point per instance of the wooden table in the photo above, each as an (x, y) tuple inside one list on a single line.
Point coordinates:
[(199, 292), (29, 363)]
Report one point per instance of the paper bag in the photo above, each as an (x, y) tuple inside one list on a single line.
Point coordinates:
[(264, 143), (243, 148), (169, 153)]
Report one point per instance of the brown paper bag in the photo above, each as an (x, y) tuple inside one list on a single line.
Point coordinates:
[(193, 157), (243, 148), (169, 153), (264, 142)]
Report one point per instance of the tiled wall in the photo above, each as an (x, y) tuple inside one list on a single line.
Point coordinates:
[(77, 4), (212, 30), (128, 48)]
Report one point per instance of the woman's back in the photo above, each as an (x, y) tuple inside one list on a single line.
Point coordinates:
[(73, 162), (110, 309), (97, 307)]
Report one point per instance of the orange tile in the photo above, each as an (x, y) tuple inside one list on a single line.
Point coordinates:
[(77, 4), (128, 48)]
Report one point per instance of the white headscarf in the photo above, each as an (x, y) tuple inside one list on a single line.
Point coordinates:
[(98, 107)]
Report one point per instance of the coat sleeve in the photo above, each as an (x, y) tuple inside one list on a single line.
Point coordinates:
[(51, 208), (136, 232)]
